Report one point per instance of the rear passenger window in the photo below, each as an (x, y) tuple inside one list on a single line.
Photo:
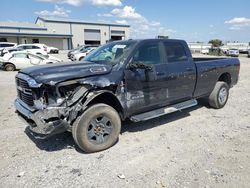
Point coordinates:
[(148, 54), (175, 52), (35, 47), (7, 45), (20, 55)]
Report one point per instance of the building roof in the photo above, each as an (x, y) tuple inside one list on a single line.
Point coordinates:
[(20, 25), (59, 20), (35, 34)]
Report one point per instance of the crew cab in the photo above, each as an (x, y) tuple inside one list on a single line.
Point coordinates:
[(133, 79)]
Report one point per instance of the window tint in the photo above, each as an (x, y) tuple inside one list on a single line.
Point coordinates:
[(175, 52), (148, 54), (26, 47), (6, 45), (35, 47), (20, 55)]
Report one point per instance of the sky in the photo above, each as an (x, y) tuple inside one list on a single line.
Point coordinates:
[(191, 20)]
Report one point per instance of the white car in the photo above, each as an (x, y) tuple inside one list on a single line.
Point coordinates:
[(33, 48), (7, 45), (23, 59), (79, 50), (81, 55), (205, 51), (233, 52), (52, 50)]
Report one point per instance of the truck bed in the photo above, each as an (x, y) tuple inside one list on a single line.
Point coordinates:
[(209, 71)]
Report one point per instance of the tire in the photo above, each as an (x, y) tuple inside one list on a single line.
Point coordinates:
[(81, 58), (97, 129), (219, 96), (9, 67)]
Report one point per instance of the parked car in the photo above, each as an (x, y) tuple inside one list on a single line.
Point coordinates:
[(73, 50), (205, 51), (81, 55), (52, 50), (78, 50), (143, 79), (233, 52), (248, 53), (23, 59), (33, 48), (7, 45)]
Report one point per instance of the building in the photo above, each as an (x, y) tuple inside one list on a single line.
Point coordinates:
[(241, 46), (63, 34), (199, 47)]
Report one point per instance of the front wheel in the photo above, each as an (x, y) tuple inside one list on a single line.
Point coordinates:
[(9, 67), (97, 129), (219, 96)]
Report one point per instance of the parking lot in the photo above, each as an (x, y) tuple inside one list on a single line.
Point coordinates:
[(198, 147)]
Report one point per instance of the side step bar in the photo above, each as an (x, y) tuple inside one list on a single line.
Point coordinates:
[(162, 111)]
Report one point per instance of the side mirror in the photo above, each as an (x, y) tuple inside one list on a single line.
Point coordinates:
[(139, 65)]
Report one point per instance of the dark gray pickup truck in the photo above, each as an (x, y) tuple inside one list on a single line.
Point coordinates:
[(133, 79)]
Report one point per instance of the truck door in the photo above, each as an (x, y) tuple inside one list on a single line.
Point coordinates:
[(145, 87), (181, 72)]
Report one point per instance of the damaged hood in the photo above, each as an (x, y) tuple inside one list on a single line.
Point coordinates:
[(55, 73)]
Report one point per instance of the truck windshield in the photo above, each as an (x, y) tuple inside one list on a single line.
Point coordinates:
[(111, 53)]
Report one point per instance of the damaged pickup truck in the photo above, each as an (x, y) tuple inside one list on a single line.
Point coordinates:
[(133, 79)]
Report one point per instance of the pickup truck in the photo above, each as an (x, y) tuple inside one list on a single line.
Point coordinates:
[(132, 79)]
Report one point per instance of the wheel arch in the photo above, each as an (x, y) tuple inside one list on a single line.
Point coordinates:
[(225, 77), (9, 63), (106, 97)]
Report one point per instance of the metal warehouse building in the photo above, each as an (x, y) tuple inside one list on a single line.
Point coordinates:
[(63, 34)]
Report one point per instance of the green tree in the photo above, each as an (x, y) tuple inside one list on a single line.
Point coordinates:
[(216, 42)]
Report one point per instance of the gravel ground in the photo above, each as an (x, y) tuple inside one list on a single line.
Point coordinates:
[(199, 147)]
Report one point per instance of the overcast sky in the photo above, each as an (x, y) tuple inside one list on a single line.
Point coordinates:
[(192, 20)]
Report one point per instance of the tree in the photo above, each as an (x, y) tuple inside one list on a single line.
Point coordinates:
[(216, 42)]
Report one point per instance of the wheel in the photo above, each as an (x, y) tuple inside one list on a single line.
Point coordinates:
[(97, 129), (219, 96), (9, 67)]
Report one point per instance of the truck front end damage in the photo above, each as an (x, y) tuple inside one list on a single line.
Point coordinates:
[(49, 109)]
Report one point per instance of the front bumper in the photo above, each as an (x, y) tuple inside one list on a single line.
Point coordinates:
[(42, 123)]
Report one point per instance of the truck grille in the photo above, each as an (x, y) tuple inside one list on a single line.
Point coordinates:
[(24, 92)]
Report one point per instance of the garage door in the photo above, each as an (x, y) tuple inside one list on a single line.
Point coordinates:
[(55, 42), (92, 35), (117, 35)]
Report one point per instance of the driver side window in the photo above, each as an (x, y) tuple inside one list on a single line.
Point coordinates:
[(148, 54)]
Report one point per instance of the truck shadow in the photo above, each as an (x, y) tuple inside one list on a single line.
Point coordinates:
[(66, 141), (54, 143)]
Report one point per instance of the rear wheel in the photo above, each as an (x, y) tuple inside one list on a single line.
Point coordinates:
[(97, 129), (9, 67), (219, 96)]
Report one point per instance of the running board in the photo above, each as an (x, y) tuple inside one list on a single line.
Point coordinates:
[(162, 111)]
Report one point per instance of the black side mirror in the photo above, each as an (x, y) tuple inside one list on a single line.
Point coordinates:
[(139, 65)]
